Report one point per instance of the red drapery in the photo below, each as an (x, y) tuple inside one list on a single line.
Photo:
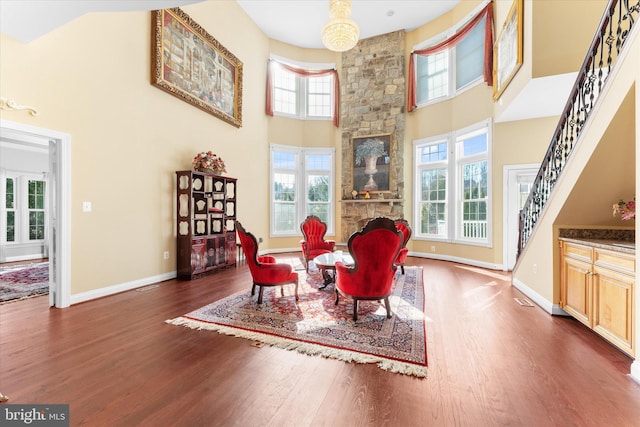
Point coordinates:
[(301, 72), (452, 41)]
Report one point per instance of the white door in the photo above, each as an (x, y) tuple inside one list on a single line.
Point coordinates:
[(518, 180), (59, 185)]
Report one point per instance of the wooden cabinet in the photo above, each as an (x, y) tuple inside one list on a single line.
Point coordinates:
[(597, 288), (206, 214)]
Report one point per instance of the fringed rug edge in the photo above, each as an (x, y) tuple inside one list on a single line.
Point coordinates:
[(390, 365)]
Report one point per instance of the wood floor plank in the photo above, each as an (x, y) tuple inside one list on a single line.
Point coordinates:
[(491, 361)]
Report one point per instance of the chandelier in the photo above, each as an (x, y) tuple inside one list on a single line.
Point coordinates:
[(341, 33)]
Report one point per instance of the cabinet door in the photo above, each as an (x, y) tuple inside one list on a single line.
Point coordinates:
[(613, 307), (577, 290)]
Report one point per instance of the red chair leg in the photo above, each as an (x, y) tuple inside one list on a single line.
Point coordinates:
[(355, 309), (260, 294)]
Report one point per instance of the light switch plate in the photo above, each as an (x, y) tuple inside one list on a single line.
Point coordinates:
[(86, 206)]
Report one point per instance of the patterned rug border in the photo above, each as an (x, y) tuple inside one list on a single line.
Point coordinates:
[(306, 347)]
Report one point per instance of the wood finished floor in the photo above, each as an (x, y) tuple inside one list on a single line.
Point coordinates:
[(492, 362)]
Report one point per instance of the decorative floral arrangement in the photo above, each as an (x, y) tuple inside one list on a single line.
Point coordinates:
[(371, 147), (208, 162), (627, 210)]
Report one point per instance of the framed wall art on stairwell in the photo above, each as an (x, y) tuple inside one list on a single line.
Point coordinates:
[(507, 50)]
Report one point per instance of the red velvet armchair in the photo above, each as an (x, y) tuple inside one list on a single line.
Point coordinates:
[(374, 250), (403, 225), (265, 271), (313, 244)]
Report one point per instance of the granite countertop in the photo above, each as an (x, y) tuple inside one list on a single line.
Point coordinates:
[(614, 245)]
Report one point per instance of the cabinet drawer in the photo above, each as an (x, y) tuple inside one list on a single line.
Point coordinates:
[(578, 251), (618, 261)]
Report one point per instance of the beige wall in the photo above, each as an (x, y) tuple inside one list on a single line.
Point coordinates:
[(91, 79), (549, 27)]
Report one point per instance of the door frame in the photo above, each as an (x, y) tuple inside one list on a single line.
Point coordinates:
[(59, 224), (510, 174)]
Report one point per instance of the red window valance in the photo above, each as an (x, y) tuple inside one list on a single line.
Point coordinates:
[(452, 41), (301, 72)]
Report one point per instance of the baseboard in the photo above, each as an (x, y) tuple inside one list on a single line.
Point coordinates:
[(122, 287), (24, 258), (467, 261), (544, 303), (635, 371)]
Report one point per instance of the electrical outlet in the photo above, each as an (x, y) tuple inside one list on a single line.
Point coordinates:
[(259, 239), (535, 268), (433, 248), (166, 254), (86, 206)]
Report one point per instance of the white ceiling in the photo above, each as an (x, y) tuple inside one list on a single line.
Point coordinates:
[(300, 22), (26, 20)]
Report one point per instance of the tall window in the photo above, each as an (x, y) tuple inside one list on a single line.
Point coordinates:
[(302, 182), (35, 206), (10, 210), (452, 173), (443, 74), (24, 209), (301, 97)]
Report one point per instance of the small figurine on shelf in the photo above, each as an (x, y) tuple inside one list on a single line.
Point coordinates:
[(208, 162), (367, 195), (354, 194), (380, 195)]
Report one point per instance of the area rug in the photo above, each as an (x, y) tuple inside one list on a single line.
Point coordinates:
[(316, 326), (23, 281)]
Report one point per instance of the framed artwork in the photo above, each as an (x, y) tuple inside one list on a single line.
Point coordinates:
[(371, 163), (190, 64), (507, 50)]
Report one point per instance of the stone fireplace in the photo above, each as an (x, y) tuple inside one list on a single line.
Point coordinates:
[(373, 102)]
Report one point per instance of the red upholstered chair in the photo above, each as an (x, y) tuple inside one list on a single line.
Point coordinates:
[(313, 244), (374, 250), (403, 225), (265, 271)]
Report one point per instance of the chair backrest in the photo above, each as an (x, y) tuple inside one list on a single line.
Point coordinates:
[(374, 250), (249, 247), (403, 225), (313, 230)]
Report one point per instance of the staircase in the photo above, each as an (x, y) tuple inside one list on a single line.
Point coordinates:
[(609, 43)]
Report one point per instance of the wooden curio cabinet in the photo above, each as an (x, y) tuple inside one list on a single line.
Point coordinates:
[(206, 205)]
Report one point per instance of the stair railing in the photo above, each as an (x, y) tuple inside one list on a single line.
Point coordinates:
[(615, 25)]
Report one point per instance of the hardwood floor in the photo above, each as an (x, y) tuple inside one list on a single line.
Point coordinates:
[(492, 362)]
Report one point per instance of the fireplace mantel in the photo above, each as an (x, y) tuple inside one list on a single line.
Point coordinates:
[(372, 200)]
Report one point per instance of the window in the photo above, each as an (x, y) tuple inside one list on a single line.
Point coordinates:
[(35, 206), (443, 74), (452, 173), (309, 97), (10, 210), (24, 209), (301, 184)]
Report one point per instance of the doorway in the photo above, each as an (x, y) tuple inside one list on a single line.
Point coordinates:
[(57, 225), (518, 180)]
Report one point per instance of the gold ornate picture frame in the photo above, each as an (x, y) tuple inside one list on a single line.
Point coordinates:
[(371, 163), (187, 62), (507, 50)]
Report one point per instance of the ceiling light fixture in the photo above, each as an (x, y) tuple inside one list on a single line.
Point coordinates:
[(341, 33)]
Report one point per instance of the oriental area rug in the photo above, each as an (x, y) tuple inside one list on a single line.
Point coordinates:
[(314, 325), (23, 281)]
